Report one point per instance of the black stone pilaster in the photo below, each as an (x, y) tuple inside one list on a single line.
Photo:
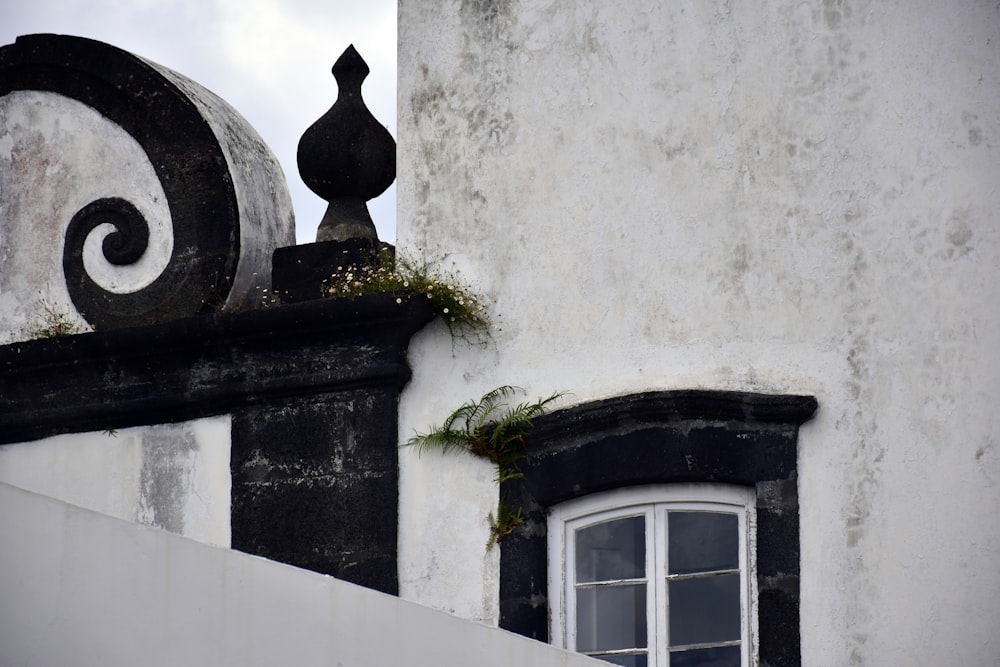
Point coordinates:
[(315, 484)]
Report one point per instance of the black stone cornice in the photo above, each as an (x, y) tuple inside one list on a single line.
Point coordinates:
[(645, 409), (204, 365)]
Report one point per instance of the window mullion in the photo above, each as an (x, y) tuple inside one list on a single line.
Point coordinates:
[(658, 579), (748, 557)]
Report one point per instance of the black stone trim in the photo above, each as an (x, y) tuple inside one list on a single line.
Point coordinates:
[(186, 156), (202, 366), (300, 270), (316, 483), (655, 438)]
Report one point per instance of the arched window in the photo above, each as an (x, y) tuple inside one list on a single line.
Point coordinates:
[(665, 440), (655, 575)]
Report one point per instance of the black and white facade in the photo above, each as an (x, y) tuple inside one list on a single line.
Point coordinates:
[(768, 300)]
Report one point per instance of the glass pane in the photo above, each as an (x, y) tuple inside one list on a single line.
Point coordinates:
[(624, 660), (611, 550), (704, 610), (722, 656), (611, 617), (702, 541)]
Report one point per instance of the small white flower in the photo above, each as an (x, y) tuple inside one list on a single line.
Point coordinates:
[(399, 301), (445, 310)]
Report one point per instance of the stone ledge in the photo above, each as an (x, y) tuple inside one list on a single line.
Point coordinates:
[(204, 365)]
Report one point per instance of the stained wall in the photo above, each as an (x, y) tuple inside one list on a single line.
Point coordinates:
[(776, 197), (171, 476)]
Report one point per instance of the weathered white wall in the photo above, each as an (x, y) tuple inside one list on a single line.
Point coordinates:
[(79, 588), (770, 196), (172, 476), (56, 156)]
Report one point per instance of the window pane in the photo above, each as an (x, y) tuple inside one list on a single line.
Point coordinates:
[(722, 656), (611, 550), (624, 660), (702, 541), (611, 617), (704, 609)]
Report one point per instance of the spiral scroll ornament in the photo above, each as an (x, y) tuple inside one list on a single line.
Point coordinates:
[(188, 160), (123, 247)]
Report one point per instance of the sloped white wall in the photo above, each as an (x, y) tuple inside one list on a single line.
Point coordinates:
[(80, 588), (172, 476), (770, 196)]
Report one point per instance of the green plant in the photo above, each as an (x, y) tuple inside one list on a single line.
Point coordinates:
[(51, 323), (490, 428), (503, 523), (462, 310)]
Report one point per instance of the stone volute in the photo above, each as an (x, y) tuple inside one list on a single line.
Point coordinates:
[(347, 157)]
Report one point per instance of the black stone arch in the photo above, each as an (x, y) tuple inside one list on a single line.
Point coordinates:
[(655, 438), (188, 161)]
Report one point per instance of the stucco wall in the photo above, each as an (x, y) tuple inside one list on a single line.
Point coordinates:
[(87, 589), (777, 197), (172, 476), (56, 156)]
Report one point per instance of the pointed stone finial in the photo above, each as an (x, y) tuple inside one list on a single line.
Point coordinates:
[(347, 157)]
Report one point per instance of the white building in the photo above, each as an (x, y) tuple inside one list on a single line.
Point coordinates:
[(700, 221), (778, 198)]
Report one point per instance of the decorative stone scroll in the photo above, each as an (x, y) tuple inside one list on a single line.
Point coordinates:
[(129, 195)]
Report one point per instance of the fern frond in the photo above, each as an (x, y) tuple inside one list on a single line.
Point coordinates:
[(504, 474), (488, 405), (461, 415), (503, 522), (446, 441), (492, 429), (517, 420)]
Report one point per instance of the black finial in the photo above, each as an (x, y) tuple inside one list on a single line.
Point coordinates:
[(347, 157)]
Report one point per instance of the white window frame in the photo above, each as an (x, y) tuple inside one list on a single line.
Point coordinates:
[(653, 502)]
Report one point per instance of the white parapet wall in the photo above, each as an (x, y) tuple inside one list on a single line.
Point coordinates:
[(80, 588), (172, 476)]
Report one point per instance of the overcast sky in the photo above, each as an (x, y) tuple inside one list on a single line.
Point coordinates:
[(270, 59)]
